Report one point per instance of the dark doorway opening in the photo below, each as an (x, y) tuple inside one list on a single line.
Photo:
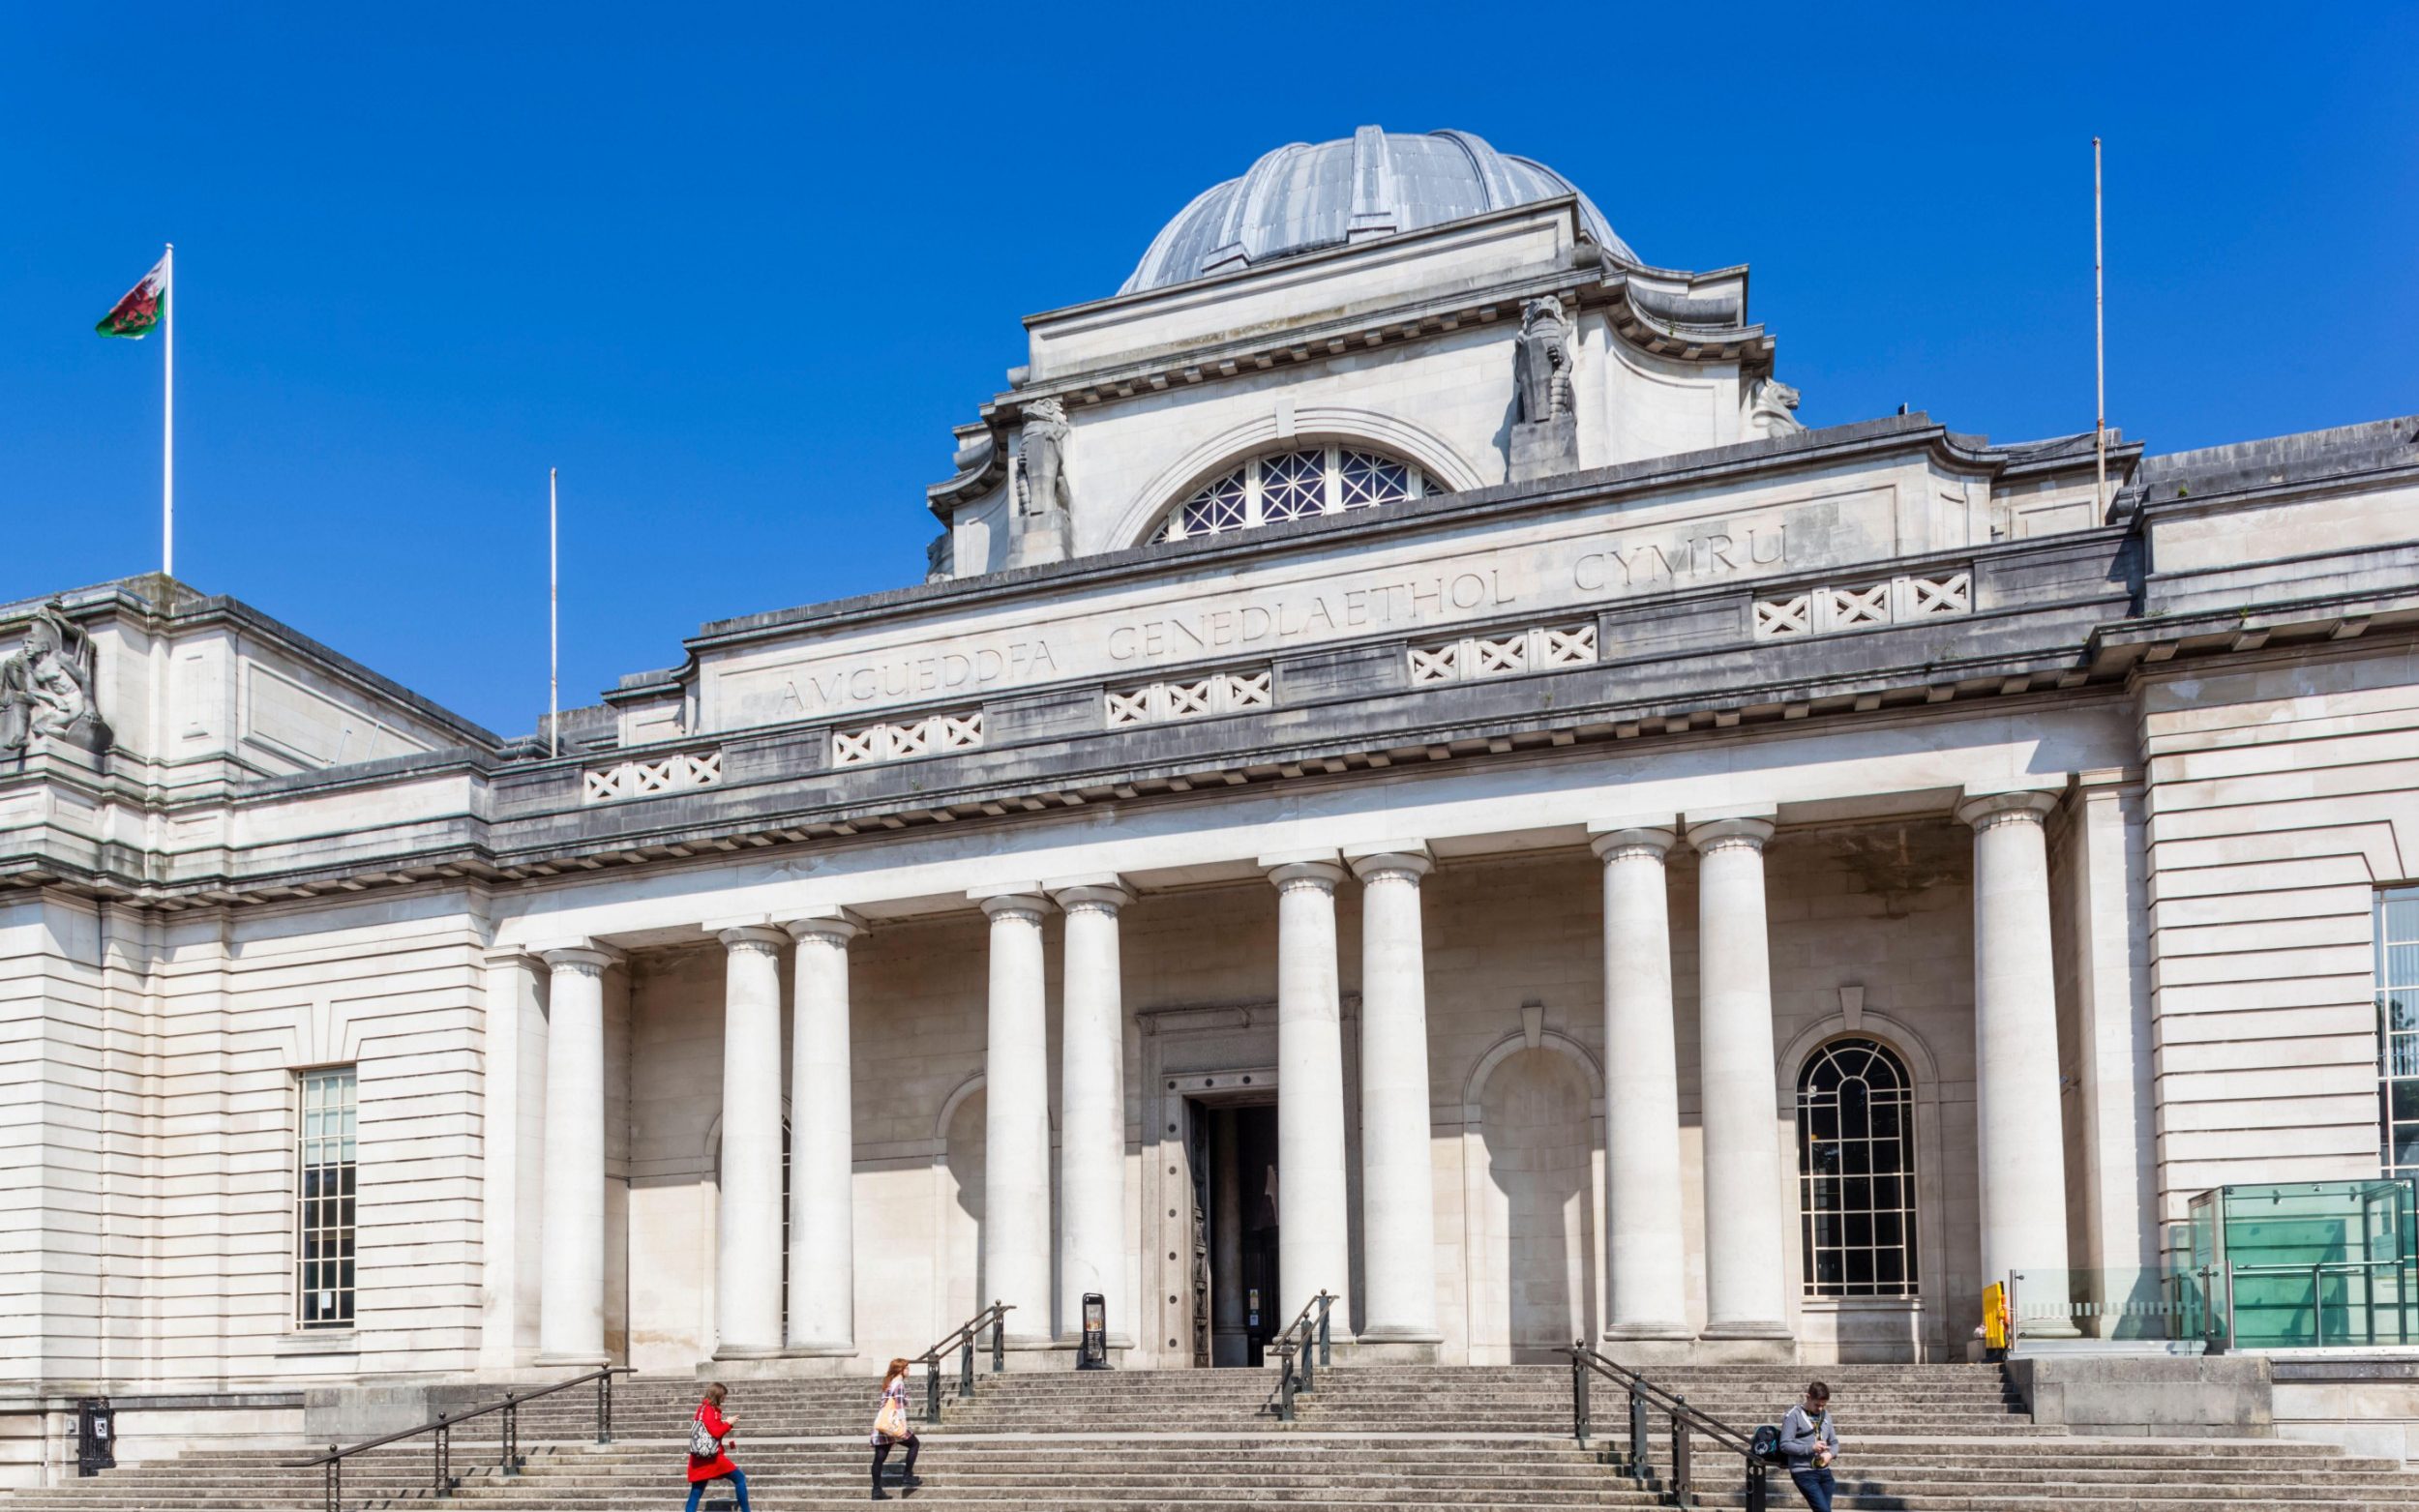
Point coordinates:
[(1235, 1192)]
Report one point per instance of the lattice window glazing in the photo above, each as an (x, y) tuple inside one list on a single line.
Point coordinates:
[(933, 735), (323, 1199), (644, 779), (1892, 601), (1856, 1170), (1294, 484), (1539, 648), (1195, 697), (2398, 1031)]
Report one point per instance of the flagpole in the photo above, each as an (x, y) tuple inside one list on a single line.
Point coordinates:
[(167, 413), (553, 622), (2099, 342)]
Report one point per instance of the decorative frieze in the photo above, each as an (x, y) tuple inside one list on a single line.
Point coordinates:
[(928, 737), (646, 778), (1538, 649), (1196, 697), (1892, 601)]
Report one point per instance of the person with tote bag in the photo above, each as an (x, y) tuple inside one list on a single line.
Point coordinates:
[(706, 1460), (890, 1427)]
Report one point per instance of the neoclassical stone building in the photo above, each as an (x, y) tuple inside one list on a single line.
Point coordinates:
[(1411, 772)]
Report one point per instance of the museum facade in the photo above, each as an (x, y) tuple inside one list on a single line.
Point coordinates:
[(1411, 774)]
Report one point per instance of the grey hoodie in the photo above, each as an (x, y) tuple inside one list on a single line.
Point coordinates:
[(1800, 1434)]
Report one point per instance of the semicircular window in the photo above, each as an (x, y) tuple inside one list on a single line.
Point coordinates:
[(1856, 1162), (1294, 484)]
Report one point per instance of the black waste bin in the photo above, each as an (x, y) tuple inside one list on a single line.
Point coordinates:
[(96, 1436), (1094, 1353)]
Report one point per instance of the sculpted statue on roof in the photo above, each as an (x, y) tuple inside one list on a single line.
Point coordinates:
[(46, 687)]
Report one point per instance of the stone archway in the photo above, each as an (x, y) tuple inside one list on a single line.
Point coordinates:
[(1533, 1222)]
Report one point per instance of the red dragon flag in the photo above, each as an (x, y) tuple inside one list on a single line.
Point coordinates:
[(143, 306)]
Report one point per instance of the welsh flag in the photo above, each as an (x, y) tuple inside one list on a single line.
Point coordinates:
[(141, 309)]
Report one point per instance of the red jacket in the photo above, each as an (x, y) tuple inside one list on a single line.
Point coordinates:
[(704, 1467)]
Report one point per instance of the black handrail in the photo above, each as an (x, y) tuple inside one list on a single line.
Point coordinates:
[(444, 1424), (962, 1338), (1684, 1419), (1295, 1350)]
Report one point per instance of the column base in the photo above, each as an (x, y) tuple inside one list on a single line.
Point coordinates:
[(1383, 1348), (596, 1361), (1650, 1344), (1754, 1342), (732, 1352)]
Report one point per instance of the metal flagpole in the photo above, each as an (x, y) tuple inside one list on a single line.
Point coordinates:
[(2099, 340), (167, 414), (553, 623)]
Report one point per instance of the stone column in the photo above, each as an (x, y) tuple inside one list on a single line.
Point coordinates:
[(1091, 1098), (747, 1219), (570, 1301), (1397, 1180), (1314, 1245), (1647, 1254), (823, 1141), (1744, 1226), (1016, 1122), (2020, 1126)]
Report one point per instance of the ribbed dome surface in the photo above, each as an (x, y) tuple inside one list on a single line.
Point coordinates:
[(1375, 183)]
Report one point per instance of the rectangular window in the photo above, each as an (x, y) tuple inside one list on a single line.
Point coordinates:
[(323, 1200), (2398, 1031)]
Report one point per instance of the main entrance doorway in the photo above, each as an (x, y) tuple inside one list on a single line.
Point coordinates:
[(1233, 1151)]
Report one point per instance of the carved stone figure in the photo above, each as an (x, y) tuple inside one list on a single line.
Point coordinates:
[(1044, 456), (46, 687), (1770, 406), (937, 558), (1544, 361), (1546, 438)]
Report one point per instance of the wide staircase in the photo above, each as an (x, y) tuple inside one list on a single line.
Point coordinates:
[(1914, 1438)]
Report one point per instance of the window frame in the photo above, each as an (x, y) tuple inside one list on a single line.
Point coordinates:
[(325, 1236), (2395, 924), (1252, 469), (1839, 1218)]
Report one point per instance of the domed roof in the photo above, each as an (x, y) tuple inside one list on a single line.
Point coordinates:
[(1302, 198)]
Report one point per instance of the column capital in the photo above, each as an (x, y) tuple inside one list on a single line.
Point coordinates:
[(1288, 875), (1104, 893), (1641, 835), (833, 925), (1027, 900), (586, 957), (1404, 860), (1984, 810), (1727, 833), (752, 937)]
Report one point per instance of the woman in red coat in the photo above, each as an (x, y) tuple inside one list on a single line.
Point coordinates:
[(703, 1467)]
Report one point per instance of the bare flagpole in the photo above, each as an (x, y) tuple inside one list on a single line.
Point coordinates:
[(553, 623), (167, 413), (2099, 338)]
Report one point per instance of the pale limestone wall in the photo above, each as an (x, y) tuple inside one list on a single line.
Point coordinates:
[(2279, 798), (158, 1119)]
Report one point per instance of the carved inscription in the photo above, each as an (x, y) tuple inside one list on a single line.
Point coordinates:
[(1684, 558), (1326, 613), (902, 678)]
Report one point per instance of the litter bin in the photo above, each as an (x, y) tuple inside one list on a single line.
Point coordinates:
[(1094, 1353), (96, 1436)]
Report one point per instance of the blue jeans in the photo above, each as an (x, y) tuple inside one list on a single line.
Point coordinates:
[(739, 1483), (1814, 1485)]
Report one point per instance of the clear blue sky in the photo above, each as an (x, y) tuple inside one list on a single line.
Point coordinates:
[(736, 273)]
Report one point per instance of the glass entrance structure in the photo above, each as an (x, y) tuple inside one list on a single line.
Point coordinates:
[(2304, 1264)]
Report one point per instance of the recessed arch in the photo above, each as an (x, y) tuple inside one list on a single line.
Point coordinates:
[(1443, 468), (1533, 1197)]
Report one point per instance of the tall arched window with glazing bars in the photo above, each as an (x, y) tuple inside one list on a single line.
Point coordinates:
[(1856, 1170)]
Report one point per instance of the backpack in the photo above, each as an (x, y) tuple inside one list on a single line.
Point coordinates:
[(1766, 1444)]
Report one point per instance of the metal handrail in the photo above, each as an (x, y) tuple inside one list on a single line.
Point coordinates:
[(1295, 1350), (442, 1426), (1684, 1420), (962, 1338)]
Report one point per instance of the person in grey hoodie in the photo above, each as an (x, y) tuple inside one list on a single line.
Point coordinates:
[(1808, 1445)]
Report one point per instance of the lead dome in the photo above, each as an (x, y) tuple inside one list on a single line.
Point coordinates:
[(1302, 198)]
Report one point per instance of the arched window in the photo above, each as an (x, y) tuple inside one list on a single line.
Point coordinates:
[(1294, 484), (1856, 1170)]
